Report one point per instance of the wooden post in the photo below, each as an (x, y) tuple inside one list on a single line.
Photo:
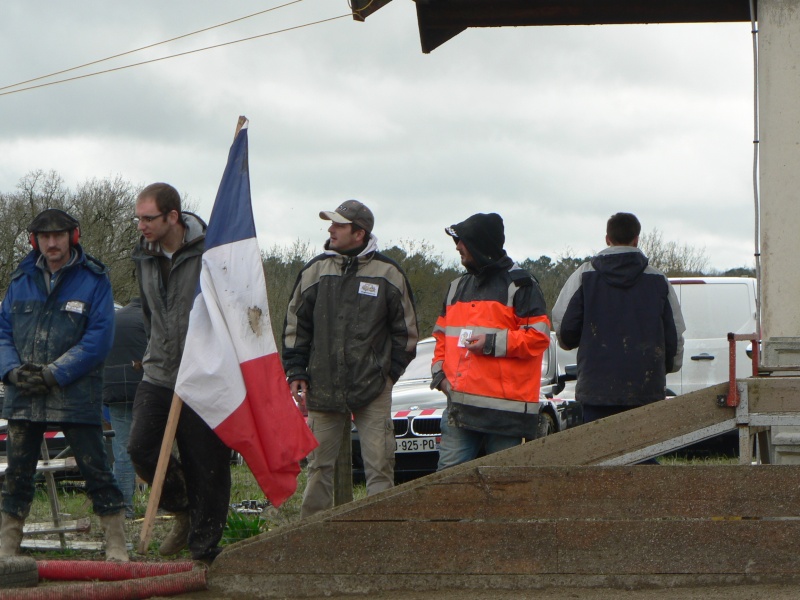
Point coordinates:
[(343, 473), (160, 474)]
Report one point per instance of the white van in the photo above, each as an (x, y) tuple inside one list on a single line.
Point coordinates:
[(713, 307)]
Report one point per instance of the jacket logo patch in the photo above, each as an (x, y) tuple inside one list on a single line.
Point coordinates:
[(368, 289), (75, 306)]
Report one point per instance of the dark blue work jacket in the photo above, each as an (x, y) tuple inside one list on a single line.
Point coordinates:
[(70, 330)]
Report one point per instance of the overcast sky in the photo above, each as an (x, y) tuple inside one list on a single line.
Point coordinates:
[(555, 128)]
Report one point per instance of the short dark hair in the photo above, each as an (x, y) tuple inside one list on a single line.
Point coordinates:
[(167, 197), (623, 228)]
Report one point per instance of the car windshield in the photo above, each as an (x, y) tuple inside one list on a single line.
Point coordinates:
[(420, 367)]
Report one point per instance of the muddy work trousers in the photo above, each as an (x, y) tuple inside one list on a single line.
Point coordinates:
[(198, 481), (23, 448)]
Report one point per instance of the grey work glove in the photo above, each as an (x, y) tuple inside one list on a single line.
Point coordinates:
[(28, 379), (49, 378)]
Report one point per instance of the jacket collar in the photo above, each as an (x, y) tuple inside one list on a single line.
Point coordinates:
[(370, 248)]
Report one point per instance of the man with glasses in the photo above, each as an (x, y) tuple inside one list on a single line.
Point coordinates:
[(197, 485)]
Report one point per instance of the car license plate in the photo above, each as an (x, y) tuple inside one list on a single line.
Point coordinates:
[(416, 445)]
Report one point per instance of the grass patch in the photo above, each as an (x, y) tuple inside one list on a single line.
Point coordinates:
[(240, 526), (250, 514)]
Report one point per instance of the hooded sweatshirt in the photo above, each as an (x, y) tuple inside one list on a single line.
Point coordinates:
[(625, 320), (497, 390)]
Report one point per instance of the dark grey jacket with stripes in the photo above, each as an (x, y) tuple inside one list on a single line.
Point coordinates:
[(350, 325)]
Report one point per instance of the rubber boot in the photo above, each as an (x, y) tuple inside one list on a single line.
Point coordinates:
[(10, 534), (114, 529), (178, 538)]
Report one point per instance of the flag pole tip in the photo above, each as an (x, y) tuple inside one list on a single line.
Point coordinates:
[(242, 123)]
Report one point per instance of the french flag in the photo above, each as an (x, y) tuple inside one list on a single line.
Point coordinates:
[(230, 373)]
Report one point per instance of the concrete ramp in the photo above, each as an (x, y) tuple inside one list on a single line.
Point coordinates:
[(533, 517)]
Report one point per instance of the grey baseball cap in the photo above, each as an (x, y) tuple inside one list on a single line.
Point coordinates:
[(351, 211)]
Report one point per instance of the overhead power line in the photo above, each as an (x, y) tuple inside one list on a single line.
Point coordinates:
[(32, 87)]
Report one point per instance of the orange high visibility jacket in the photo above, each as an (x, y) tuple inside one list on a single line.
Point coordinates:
[(497, 390)]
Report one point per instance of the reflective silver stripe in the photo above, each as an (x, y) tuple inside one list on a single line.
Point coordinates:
[(512, 289), (452, 331), (501, 343), (451, 293), (514, 406), (436, 367), (540, 326), (438, 329)]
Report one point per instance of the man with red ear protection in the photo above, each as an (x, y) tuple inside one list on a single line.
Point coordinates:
[(54, 220), (56, 328)]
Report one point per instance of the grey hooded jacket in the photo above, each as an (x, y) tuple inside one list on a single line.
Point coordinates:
[(166, 307)]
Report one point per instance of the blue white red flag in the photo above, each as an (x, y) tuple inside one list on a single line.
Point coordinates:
[(231, 374)]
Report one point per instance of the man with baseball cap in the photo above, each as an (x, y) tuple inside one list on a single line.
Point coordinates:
[(351, 211), (350, 332), (56, 328)]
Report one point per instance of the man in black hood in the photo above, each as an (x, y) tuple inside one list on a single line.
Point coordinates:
[(490, 338), (481, 239), (625, 320)]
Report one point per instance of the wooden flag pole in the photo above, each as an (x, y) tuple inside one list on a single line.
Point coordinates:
[(239, 125), (160, 474)]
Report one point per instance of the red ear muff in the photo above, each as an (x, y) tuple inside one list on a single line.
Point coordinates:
[(74, 238)]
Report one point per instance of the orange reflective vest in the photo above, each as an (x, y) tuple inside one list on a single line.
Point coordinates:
[(497, 390)]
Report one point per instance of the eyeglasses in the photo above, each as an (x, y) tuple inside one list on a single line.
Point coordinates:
[(148, 218)]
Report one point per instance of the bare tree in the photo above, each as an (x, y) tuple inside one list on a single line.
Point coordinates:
[(673, 258), (429, 276), (281, 267), (103, 207)]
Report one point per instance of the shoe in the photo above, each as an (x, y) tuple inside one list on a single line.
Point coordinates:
[(178, 538), (114, 529), (10, 534)]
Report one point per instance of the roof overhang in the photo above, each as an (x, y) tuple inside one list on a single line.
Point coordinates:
[(441, 20)]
